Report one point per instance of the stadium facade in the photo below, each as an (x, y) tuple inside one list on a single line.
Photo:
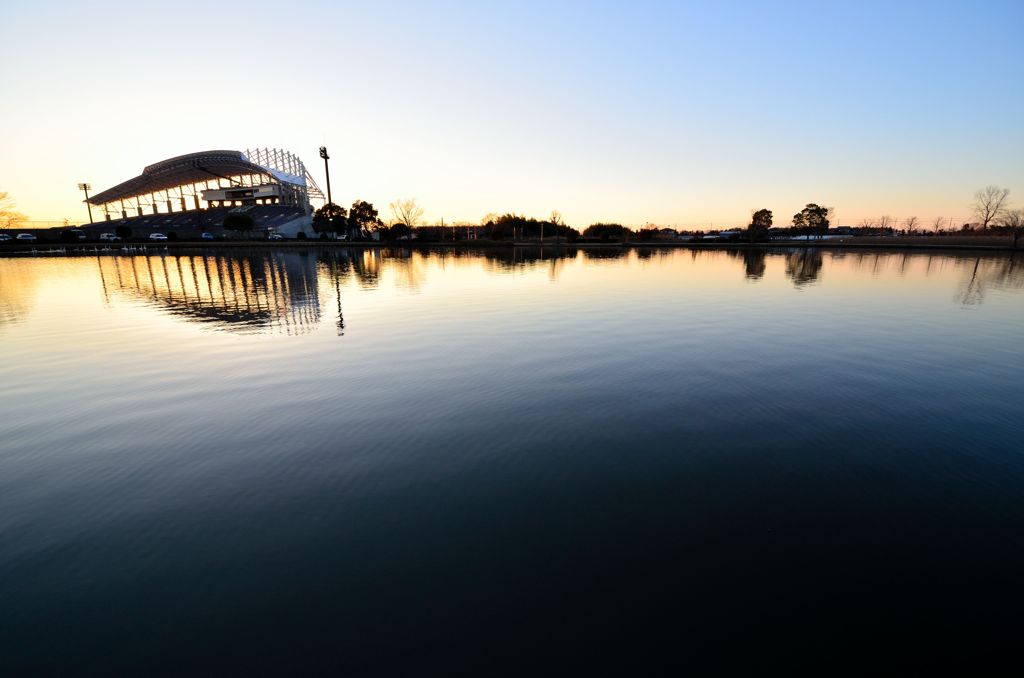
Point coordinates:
[(195, 192)]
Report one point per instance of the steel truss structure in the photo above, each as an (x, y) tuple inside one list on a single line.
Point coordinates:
[(177, 184)]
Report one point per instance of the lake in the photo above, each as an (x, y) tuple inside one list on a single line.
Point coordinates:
[(385, 461)]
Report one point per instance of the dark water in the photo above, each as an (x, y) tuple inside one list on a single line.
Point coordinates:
[(384, 462)]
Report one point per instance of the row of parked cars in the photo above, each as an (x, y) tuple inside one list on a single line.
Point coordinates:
[(108, 237), (21, 237), (104, 237)]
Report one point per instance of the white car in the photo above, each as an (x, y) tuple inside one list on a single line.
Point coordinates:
[(5, 238), (275, 236), (26, 237), (108, 237), (157, 236)]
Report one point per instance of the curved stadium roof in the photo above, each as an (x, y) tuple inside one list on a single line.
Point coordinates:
[(187, 169)]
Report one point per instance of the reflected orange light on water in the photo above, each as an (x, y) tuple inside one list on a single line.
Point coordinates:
[(291, 291)]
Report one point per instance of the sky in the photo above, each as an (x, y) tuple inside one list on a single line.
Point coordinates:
[(672, 113)]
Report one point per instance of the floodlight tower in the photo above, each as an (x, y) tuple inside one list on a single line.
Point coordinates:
[(86, 187), (327, 171)]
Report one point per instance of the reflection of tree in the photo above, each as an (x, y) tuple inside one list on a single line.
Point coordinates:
[(408, 267), (803, 266), (603, 253), (507, 259), (972, 291), (990, 272), (366, 264), (753, 260), (753, 263)]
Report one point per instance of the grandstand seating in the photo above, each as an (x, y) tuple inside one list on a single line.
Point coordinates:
[(263, 216)]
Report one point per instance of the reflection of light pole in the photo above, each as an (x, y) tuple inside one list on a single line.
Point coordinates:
[(86, 187), (327, 171)]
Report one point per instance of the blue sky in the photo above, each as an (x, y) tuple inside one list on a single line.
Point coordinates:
[(671, 113)]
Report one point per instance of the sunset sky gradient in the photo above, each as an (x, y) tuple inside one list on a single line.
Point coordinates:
[(685, 114)]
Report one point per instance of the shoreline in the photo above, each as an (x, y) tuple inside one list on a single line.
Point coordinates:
[(133, 248)]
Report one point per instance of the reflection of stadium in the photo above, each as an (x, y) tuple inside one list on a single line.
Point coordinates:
[(198, 190), (265, 291)]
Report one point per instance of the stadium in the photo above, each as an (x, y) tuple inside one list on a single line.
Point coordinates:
[(194, 193)]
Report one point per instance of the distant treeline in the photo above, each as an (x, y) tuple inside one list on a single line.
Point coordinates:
[(990, 209)]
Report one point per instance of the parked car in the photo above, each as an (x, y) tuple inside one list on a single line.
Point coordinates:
[(108, 237), (26, 237), (206, 236), (275, 236), (5, 238), (157, 236)]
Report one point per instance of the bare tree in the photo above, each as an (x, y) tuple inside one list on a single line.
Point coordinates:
[(556, 218), (1013, 220), (911, 223), (937, 224), (867, 223), (9, 217), (885, 221), (989, 204), (406, 211)]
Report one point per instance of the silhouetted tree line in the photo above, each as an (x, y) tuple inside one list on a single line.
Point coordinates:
[(607, 232), (991, 209), (354, 223), (516, 227)]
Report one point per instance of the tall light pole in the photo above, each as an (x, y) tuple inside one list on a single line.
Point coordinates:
[(86, 187), (327, 171)]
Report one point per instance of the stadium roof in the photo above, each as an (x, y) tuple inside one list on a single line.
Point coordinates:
[(187, 169)]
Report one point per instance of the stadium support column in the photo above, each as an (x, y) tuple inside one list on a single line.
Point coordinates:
[(327, 172)]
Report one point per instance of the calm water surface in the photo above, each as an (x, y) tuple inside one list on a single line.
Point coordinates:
[(379, 462)]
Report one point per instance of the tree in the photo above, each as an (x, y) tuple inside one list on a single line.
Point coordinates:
[(885, 222), (812, 219), (407, 212), (990, 203), (330, 211), (399, 231), (330, 218), (760, 222), (517, 226), (556, 221), (937, 224), (363, 215), (238, 221), (9, 217), (911, 224), (606, 231)]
